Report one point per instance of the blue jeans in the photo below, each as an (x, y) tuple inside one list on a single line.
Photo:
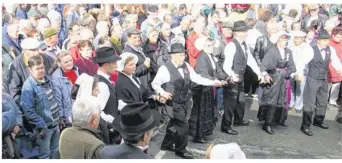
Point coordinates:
[(219, 95), (48, 146)]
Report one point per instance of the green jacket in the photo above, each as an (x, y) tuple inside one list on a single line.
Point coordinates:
[(79, 142)]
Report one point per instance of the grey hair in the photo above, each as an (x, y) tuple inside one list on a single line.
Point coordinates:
[(100, 25), (84, 108)]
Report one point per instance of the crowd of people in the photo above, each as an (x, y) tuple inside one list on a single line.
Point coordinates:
[(125, 81)]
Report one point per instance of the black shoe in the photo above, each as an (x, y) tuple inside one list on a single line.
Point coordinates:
[(306, 131), (168, 148), (199, 140), (185, 155), (321, 125), (284, 124), (230, 131), (243, 123), (268, 129)]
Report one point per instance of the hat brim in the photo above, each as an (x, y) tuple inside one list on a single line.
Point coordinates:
[(106, 60), (177, 52), (241, 29), (156, 120), (324, 37)]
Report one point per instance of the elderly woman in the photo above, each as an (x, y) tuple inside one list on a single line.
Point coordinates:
[(128, 87), (202, 120), (84, 62), (66, 74)]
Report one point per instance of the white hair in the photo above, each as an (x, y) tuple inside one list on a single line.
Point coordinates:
[(86, 33), (42, 23), (84, 108), (100, 25)]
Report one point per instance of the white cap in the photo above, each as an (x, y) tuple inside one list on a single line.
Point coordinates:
[(298, 34), (30, 44), (227, 151), (275, 37), (124, 56), (200, 42)]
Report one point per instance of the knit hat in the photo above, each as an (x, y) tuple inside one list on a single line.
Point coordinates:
[(49, 32)]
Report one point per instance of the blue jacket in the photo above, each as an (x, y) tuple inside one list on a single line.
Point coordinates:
[(21, 13), (7, 41), (64, 93), (8, 104), (35, 103)]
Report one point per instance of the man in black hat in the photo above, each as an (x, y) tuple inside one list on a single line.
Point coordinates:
[(135, 123), (237, 58), (316, 86), (106, 60), (173, 81)]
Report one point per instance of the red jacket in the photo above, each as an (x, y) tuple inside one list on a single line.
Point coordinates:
[(191, 49), (333, 76)]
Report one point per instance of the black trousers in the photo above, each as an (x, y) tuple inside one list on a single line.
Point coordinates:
[(315, 99), (177, 130), (234, 105)]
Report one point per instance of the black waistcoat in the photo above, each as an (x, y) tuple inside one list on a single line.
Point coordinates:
[(318, 68), (240, 60), (111, 107)]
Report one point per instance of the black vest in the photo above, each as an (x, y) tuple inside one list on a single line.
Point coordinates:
[(111, 107), (240, 61), (318, 68), (179, 88)]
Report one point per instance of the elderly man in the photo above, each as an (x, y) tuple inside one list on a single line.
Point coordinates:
[(51, 41), (182, 31), (135, 123), (18, 71), (173, 81), (314, 9), (43, 24), (152, 19), (83, 140), (115, 37), (73, 29), (316, 86), (167, 37), (106, 60), (102, 30), (300, 52), (237, 57)]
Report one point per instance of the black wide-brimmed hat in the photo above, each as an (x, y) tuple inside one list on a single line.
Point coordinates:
[(106, 55), (240, 26), (177, 48), (136, 119), (323, 34)]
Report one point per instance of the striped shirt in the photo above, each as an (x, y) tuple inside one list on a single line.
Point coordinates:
[(52, 103)]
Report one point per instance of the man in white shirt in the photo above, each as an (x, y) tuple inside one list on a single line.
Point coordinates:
[(302, 54), (173, 81), (316, 86), (106, 60), (237, 57)]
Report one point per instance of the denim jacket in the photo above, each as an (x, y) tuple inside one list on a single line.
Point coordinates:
[(8, 104), (35, 103), (64, 93)]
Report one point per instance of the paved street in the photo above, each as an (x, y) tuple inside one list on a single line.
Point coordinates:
[(287, 143)]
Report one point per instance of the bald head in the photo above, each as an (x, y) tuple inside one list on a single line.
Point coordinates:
[(13, 30), (87, 34)]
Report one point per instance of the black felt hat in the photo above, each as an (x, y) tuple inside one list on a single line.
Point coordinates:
[(105, 55), (240, 26), (136, 119), (177, 48), (323, 34)]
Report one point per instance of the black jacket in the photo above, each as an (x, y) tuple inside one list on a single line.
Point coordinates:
[(124, 151), (262, 46), (321, 21), (156, 57), (128, 92)]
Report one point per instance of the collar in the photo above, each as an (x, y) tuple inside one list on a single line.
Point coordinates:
[(240, 42), (319, 48), (99, 72), (95, 132), (129, 76), (133, 47), (34, 81), (25, 60)]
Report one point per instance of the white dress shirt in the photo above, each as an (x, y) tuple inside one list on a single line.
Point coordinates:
[(229, 52), (103, 97), (131, 77), (302, 55), (212, 61), (163, 76), (252, 37)]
